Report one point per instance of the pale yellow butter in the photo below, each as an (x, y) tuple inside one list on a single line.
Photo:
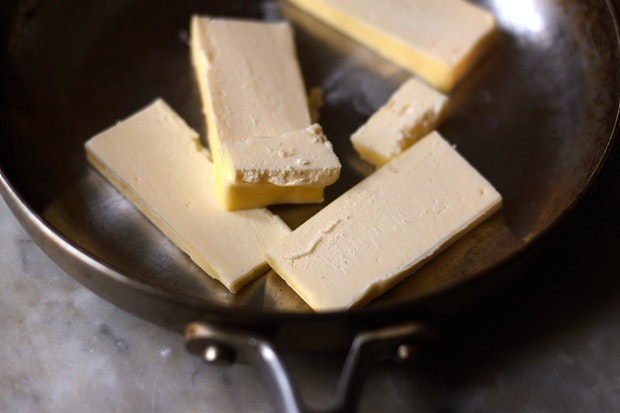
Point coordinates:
[(303, 157), (251, 87), (384, 228), (439, 40), (413, 111), (157, 161)]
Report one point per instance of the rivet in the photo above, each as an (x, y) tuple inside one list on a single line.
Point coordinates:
[(405, 352), (215, 353)]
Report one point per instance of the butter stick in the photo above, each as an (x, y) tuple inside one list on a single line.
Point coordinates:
[(439, 40), (384, 228), (157, 161), (251, 88)]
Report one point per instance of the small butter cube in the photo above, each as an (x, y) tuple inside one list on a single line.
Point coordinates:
[(413, 111)]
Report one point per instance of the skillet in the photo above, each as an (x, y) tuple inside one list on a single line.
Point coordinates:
[(537, 117)]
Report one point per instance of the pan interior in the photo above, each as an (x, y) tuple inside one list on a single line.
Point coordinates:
[(535, 117)]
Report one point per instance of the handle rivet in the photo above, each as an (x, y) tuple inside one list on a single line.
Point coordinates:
[(405, 352), (215, 353)]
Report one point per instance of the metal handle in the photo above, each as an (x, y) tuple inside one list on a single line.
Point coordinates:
[(220, 345)]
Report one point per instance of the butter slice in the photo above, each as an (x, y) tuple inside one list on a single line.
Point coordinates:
[(439, 40), (294, 158), (251, 87), (412, 112), (156, 160), (384, 228)]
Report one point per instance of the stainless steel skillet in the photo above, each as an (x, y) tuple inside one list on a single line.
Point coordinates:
[(537, 117)]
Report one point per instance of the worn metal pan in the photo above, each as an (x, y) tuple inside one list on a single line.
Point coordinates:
[(537, 116)]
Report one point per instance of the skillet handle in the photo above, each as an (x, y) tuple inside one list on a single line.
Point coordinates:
[(220, 345)]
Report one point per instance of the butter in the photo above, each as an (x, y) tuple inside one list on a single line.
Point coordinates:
[(252, 90), (157, 161), (413, 111), (384, 228), (439, 40), (234, 196), (303, 157)]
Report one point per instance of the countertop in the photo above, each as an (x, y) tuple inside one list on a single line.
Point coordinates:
[(549, 343)]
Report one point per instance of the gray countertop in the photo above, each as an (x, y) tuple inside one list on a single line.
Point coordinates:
[(549, 343)]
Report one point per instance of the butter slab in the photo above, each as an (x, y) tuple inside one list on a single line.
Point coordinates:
[(295, 158), (384, 228), (157, 161), (412, 112), (251, 88), (439, 40)]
